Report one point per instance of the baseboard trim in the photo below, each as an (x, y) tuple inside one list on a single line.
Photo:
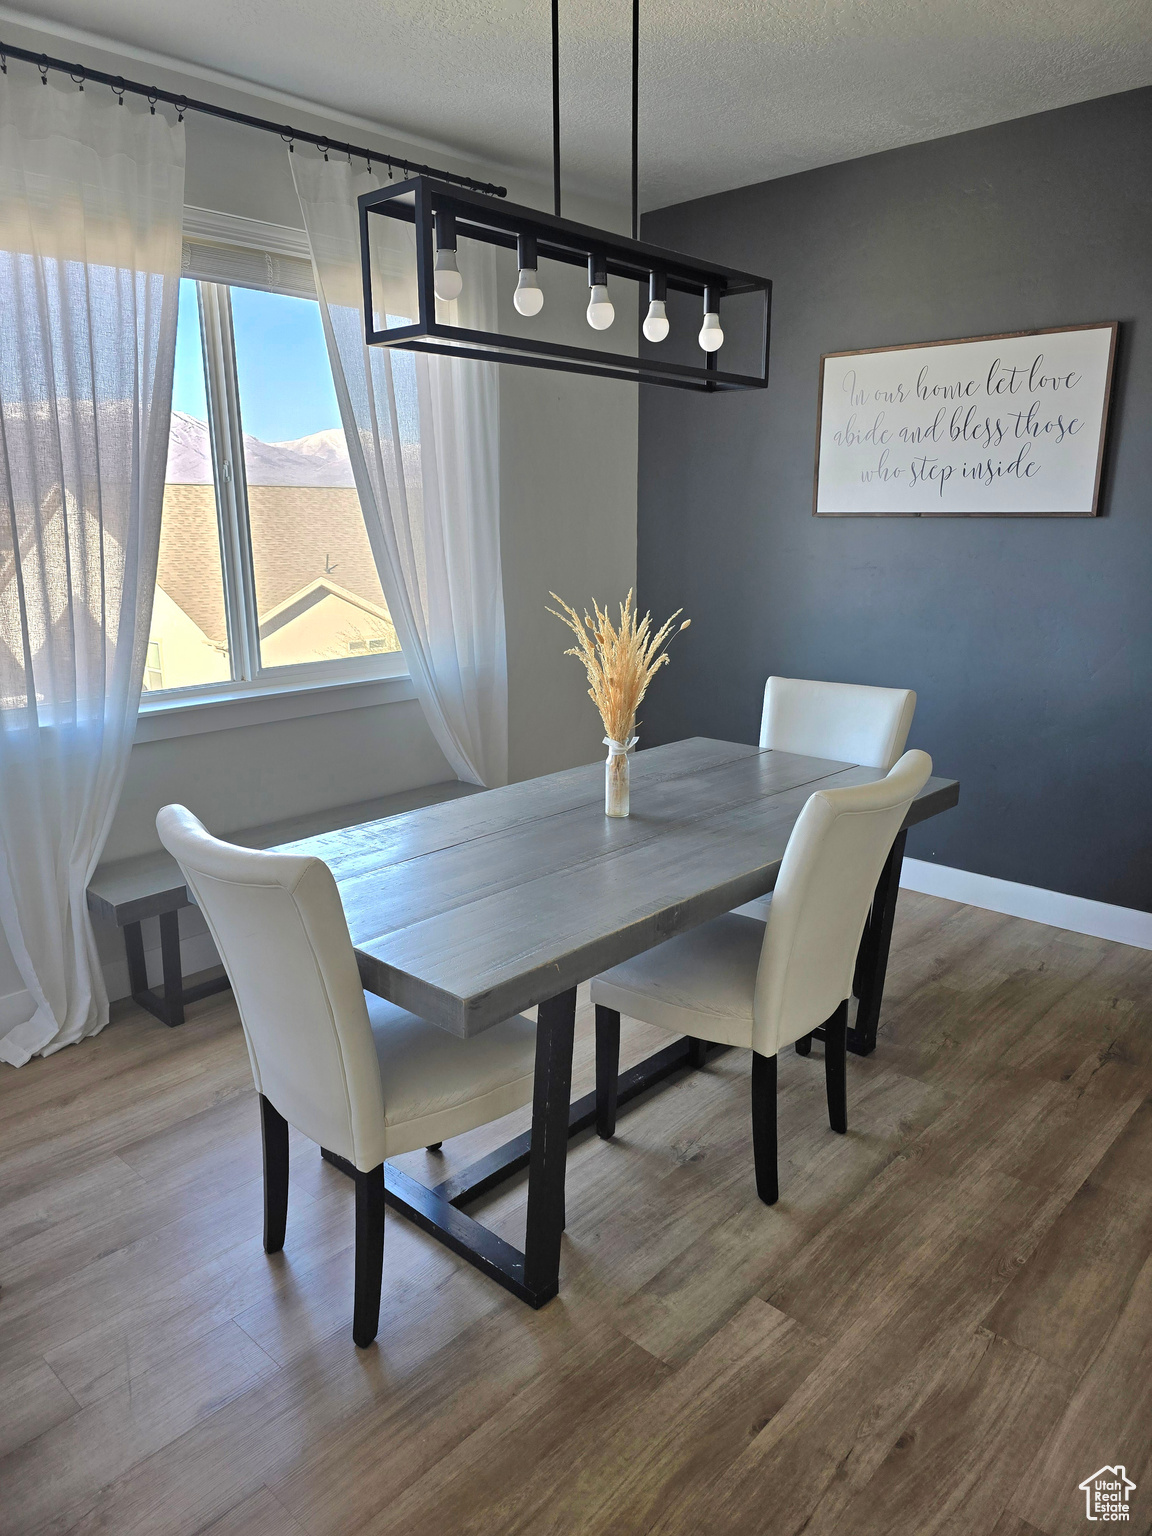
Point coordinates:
[(1124, 925)]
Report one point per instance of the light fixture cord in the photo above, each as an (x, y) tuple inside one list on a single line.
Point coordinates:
[(556, 105), (635, 118)]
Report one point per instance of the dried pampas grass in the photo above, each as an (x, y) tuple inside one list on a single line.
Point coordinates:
[(620, 660)]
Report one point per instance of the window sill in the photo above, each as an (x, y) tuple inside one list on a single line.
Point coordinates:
[(167, 716)]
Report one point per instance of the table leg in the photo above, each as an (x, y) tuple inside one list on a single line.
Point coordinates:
[(872, 962), (552, 1091), (607, 1070), (437, 1210)]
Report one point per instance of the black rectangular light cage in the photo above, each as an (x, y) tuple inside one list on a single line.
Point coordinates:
[(422, 201)]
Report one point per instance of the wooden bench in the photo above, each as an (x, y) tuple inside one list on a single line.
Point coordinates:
[(151, 885)]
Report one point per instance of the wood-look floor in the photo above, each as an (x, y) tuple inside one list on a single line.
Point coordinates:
[(944, 1325)]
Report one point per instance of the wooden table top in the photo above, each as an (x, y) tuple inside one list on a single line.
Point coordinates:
[(474, 910)]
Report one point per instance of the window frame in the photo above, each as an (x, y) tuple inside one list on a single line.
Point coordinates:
[(250, 680)]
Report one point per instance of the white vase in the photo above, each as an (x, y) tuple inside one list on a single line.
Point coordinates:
[(616, 776)]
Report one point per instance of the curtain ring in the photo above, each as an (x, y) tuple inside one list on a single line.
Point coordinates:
[(289, 138), (43, 68), (3, 63), (153, 98), (181, 107), (78, 77), (323, 147), (118, 89)]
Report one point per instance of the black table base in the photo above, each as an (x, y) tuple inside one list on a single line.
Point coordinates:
[(437, 1210), (534, 1275)]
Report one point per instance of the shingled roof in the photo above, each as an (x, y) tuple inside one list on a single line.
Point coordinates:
[(299, 534)]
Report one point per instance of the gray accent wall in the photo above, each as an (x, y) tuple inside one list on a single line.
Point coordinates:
[(1029, 642)]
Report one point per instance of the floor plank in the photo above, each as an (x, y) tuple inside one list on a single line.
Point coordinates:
[(1108, 1420), (262, 1514)]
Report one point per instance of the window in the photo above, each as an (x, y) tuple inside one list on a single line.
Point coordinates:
[(266, 575), (154, 668), (189, 615)]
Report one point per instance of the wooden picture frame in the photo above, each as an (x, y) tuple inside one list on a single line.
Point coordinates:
[(876, 455)]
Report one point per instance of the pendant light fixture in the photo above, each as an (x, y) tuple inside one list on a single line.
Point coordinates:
[(442, 212)]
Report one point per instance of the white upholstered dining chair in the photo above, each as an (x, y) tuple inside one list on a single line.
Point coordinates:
[(847, 722), (737, 981), (357, 1075)]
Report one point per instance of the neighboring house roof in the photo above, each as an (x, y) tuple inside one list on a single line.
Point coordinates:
[(315, 592), (304, 516), (300, 534)]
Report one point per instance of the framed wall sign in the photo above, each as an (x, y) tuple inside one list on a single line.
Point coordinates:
[(991, 426)]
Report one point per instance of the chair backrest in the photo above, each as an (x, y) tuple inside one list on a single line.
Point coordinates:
[(848, 722), (280, 929), (820, 904)]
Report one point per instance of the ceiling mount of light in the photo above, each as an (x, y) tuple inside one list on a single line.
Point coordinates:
[(442, 213)]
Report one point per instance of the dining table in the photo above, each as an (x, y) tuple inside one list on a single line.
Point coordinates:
[(471, 911)]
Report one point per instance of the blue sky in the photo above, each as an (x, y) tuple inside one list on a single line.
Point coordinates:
[(285, 381)]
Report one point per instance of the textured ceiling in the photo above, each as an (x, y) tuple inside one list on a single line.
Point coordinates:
[(731, 93)]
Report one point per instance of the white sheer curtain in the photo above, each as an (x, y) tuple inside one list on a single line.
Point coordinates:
[(423, 439), (91, 202)]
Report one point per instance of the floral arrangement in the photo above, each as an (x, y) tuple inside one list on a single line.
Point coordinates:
[(620, 660)]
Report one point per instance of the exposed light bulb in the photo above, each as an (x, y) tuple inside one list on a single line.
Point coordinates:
[(711, 337), (529, 297), (656, 321), (600, 311), (446, 277)]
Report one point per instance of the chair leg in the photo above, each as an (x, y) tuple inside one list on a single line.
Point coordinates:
[(836, 1068), (434, 1146), (369, 1254), (764, 1127), (804, 1045), (697, 1052), (275, 1137), (607, 1070)]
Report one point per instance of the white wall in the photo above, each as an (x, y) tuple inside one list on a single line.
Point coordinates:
[(568, 511)]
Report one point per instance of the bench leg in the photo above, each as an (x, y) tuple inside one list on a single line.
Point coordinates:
[(137, 968), (167, 1005)]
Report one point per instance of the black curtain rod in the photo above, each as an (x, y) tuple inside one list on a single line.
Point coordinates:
[(153, 94)]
